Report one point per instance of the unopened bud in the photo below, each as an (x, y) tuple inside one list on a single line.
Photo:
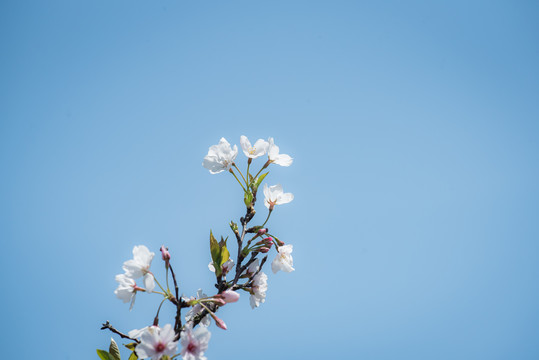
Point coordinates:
[(229, 296), (262, 231), (264, 250), (279, 242), (220, 323), (219, 301), (165, 255)]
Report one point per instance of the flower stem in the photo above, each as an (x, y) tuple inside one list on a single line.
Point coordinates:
[(166, 292), (246, 183), (239, 182), (269, 213), (248, 165)]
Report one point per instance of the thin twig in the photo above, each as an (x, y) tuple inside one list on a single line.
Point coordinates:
[(108, 326)]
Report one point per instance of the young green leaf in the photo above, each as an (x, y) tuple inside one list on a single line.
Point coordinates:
[(114, 351), (103, 355), (133, 356), (215, 254), (131, 346), (258, 181)]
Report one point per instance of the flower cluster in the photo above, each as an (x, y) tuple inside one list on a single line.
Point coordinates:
[(244, 271), (135, 268)]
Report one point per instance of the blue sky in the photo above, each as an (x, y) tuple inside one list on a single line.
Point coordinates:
[(413, 126)]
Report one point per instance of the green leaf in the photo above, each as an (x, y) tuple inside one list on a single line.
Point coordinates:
[(103, 355), (133, 356), (225, 255), (114, 351), (259, 180), (215, 254), (131, 346)]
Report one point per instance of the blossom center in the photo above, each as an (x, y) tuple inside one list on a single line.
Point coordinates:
[(191, 347), (252, 151), (160, 347)]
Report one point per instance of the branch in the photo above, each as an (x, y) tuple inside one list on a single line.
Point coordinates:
[(107, 325), (178, 319)]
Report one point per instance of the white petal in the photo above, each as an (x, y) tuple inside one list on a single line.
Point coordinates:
[(283, 160), (245, 145), (149, 282), (285, 198)]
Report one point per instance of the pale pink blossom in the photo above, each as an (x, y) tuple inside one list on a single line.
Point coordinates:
[(194, 343), (156, 342)]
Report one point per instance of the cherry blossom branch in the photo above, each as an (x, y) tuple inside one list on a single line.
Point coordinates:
[(108, 326), (178, 319), (244, 221)]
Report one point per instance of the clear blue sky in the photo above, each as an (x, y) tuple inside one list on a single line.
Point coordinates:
[(413, 124)]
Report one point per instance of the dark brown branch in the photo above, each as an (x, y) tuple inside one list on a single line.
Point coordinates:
[(178, 319), (108, 326)]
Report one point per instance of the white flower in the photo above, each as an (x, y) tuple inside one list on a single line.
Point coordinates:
[(283, 261), (156, 343), (273, 195), (258, 149), (194, 343), (227, 266), (140, 266), (220, 157), (275, 157), (260, 285), (206, 320), (127, 289), (253, 267), (136, 333)]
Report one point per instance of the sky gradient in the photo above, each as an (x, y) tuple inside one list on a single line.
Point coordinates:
[(414, 131)]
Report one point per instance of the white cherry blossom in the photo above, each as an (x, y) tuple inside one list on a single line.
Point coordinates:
[(273, 195), (227, 266), (275, 157), (283, 261), (253, 268), (260, 147), (220, 157), (139, 266), (127, 289), (194, 343), (258, 290), (206, 320), (156, 342), (136, 333)]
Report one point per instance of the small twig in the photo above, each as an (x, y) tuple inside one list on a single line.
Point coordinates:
[(178, 320), (108, 326)]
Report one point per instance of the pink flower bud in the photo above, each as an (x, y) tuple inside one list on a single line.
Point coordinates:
[(262, 231), (219, 322), (279, 242), (165, 254), (230, 296), (219, 300), (264, 250)]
